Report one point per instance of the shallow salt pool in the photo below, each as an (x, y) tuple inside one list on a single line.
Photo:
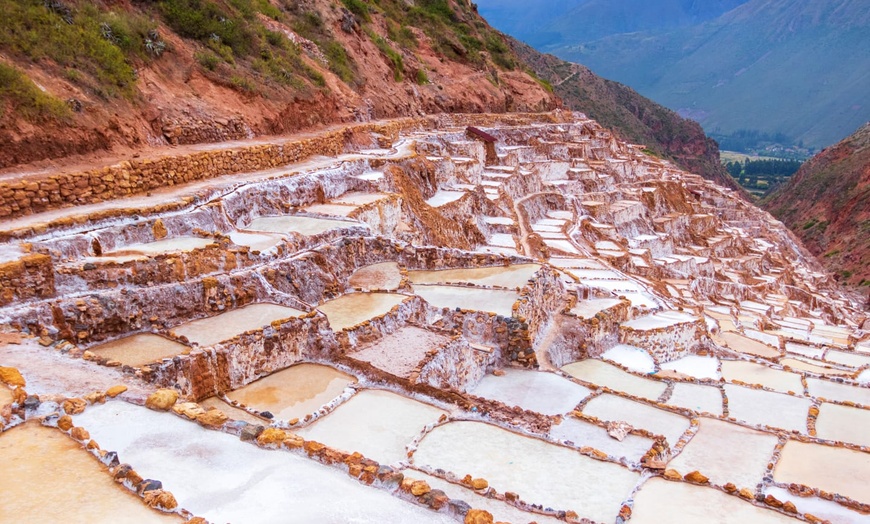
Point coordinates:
[(498, 301), (538, 391), (354, 308), (604, 374), (502, 276), (211, 330), (141, 349)]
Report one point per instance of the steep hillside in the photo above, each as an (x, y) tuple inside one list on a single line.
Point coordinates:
[(636, 118), (827, 204), (79, 77), (544, 23), (797, 67)]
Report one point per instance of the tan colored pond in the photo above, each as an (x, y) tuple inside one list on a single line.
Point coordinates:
[(603, 374), (540, 472), (777, 410), (501, 276), (839, 392), (293, 392), (844, 423), (297, 224), (727, 452), (211, 330), (160, 246), (377, 276), (378, 424), (800, 365), (748, 346), (354, 308), (660, 501), (496, 301), (47, 476), (256, 241), (832, 469), (141, 349), (752, 373), (609, 407), (400, 352)]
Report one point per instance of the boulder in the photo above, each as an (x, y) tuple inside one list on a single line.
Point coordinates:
[(190, 410), (696, 477), (160, 499), (213, 418), (162, 399), (11, 376), (272, 437), (478, 516), (74, 406), (114, 391), (420, 487), (79, 433), (65, 423)]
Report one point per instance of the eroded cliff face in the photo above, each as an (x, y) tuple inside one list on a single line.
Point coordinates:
[(827, 205), (317, 64)]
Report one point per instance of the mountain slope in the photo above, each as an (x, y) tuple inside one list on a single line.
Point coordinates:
[(827, 205), (636, 118), (81, 77), (798, 67)]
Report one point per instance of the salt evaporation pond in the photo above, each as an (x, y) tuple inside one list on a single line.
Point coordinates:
[(385, 275), (631, 357), (158, 247), (211, 330), (255, 241), (218, 477), (800, 365), (540, 472), (307, 226), (581, 433), (727, 452), (400, 352), (294, 392), (501, 511), (847, 358), (443, 197), (658, 321), (354, 308), (832, 469), (748, 346), (843, 423), (612, 408), (141, 349), (839, 392), (761, 407), (498, 301), (589, 308), (538, 391), (661, 501), (502, 276), (48, 477), (697, 397), (752, 373), (694, 366), (378, 424), (819, 507), (604, 374)]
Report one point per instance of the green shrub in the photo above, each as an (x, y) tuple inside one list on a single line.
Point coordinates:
[(359, 8), (422, 77), (26, 99), (339, 61), (387, 50), (204, 20), (207, 60)]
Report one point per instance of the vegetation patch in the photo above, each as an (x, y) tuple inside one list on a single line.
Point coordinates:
[(26, 99)]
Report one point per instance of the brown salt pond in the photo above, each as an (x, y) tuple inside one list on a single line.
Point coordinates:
[(297, 224), (727, 452), (832, 469), (168, 245), (211, 330), (752, 373), (141, 349), (500, 276), (255, 241), (231, 411), (378, 424), (800, 365), (661, 501), (377, 276), (294, 392), (843, 423), (354, 308), (540, 472), (48, 477), (498, 301), (748, 346), (603, 374), (400, 352)]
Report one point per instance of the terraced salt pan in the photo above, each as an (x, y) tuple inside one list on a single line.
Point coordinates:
[(604, 374), (832, 469), (818, 507), (255, 241), (580, 433), (800, 365), (579, 263), (141, 349), (371, 176), (589, 308), (631, 357), (538, 391), (661, 501), (843, 423), (594, 274), (661, 320), (777, 410), (541, 473), (503, 276), (804, 351), (168, 245), (727, 452), (378, 424), (766, 338), (72, 485), (502, 240), (498, 301), (694, 366), (748, 346), (333, 209), (307, 226), (356, 198), (838, 392), (442, 197), (294, 392), (864, 377), (752, 373), (848, 358), (385, 275), (699, 398), (222, 479), (354, 308), (610, 408), (211, 330), (400, 352), (633, 291), (501, 511), (564, 246)]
